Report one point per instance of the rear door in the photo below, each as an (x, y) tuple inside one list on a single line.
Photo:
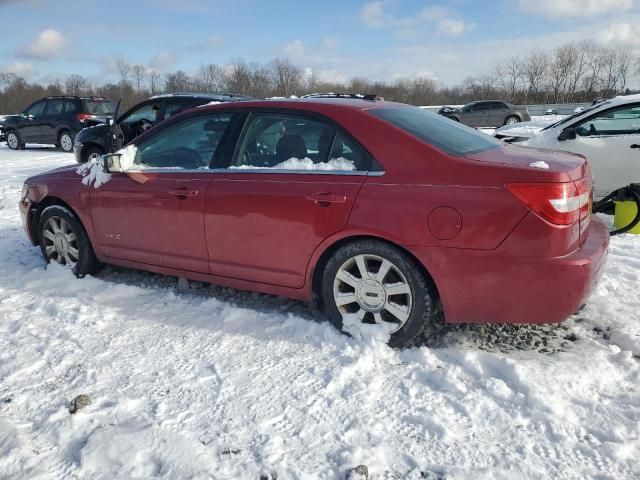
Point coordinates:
[(290, 183), (610, 140), (155, 215), (52, 118), (498, 113)]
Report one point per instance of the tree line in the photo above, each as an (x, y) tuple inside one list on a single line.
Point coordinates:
[(574, 72)]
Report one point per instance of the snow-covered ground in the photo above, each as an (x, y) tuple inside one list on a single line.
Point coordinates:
[(215, 383)]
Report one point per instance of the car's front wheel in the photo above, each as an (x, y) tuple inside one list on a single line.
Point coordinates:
[(64, 240), (373, 283), (511, 120), (65, 141), (13, 141), (91, 154)]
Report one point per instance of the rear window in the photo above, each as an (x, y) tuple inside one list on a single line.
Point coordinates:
[(99, 107), (441, 132)]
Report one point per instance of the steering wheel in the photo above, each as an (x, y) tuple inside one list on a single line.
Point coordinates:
[(144, 125), (189, 158)]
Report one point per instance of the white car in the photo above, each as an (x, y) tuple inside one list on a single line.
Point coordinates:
[(607, 133)]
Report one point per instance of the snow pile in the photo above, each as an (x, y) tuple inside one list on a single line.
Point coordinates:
[(305, 164), (539, 164), (219, 383), (92, 173)]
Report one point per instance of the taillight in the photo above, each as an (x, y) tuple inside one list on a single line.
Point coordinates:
[(84, 116), (559, 203)]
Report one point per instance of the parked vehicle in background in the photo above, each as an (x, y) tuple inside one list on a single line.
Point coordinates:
[(550, 111), (579, 109), (488, 113), (54, 120), (99, 139), (607, 133), (384, 213)]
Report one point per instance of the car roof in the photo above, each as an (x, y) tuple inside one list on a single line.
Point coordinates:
[(208, 96), (315, 103)]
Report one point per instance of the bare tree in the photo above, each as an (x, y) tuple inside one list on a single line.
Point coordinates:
[(154, 82), (509, 76), (75, 85), (124, 69), (534, 70), (286, 77), (210, 78), (139, 73), (177, 81)]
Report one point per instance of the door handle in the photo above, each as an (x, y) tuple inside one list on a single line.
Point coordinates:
[(324, 199), (635, 145), (183, 192)]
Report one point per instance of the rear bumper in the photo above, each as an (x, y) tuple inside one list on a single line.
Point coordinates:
[(491, 287)]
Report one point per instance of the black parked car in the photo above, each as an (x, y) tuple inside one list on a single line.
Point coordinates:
[(54, 120), (487, 113), (99, 139)]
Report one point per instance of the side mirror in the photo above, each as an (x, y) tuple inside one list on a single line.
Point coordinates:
[(567, 134), (109, 121), (111, 163)]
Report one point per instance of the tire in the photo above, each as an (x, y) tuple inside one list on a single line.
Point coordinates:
[(372, 298), (91, 153), (59, 230), (65, 141), (511, 120), (14, 141)]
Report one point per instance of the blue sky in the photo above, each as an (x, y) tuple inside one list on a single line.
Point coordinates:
[(338, 39)]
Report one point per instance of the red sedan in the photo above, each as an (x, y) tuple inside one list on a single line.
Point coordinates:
[(383, 212)]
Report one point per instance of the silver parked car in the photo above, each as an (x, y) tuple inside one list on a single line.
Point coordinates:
[(488, 113)]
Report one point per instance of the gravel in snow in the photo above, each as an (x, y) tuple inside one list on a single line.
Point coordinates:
[(209, 382)]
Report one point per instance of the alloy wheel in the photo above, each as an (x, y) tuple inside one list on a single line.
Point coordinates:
[(375, 290), (60, 242), (66, 142), (12, 140), (512, 121)]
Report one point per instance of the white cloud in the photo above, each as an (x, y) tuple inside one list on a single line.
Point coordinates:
[(47, 45), (576, 8), (372, 14), (294, 49), (162, 61), (449, 26), (21, 69), (330, 42), (621, 34)]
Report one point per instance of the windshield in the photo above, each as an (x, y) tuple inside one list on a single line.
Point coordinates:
[(577, 114), (99, 107), (441, 132)]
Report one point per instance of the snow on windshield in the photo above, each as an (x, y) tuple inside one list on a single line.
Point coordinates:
[(306, 163)]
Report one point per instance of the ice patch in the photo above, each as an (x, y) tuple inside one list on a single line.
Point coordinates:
[(539, 164)]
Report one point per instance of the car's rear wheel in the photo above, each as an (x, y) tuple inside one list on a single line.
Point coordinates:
[(374, 283), (65, 141), (91, 154), (64, 240), (13, 141), (511, 120)]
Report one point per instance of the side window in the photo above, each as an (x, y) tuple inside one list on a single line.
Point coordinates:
[(70, 106), (498, 106), (146, 112), (189, 144), (176, 106), (292, 142), (480, 107), (616, 121), (36, 109), (54, 107)]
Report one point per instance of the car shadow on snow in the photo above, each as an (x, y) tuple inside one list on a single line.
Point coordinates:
[(545, 339)]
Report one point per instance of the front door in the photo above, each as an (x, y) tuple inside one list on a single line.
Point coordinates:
[(31, 122), (291, 183), (51, 120), (154, 213), (611, 142), (477, 116)]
